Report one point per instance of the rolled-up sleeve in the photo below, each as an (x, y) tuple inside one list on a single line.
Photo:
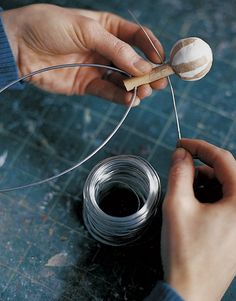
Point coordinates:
[(8, 67), (163, 292)]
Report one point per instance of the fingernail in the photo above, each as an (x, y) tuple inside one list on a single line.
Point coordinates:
[(136, 102), (179, 154), (163, 83), (148, 91), (178, 143), (143, 66)]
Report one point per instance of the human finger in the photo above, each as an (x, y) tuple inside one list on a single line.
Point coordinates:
[(110, 91), (115, 50), (207, 188), (116, 78), (220, 160), (146, 41), (132, 34), (159, 84), (129, 32), (204, 170), (181, 177)]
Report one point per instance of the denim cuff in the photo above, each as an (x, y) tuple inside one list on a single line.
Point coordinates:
[(163, 292), (8, 67)]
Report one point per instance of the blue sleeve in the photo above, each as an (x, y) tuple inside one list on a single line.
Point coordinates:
[(8, 68), (163, 292)]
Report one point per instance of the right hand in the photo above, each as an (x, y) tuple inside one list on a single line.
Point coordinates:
[(199, 239)]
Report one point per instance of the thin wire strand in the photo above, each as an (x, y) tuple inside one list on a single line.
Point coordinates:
[(169, 80), (60, 67), (99, 147), (146, 34), (175, 108)]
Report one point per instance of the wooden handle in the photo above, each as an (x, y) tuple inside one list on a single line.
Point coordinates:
[(156, 73)]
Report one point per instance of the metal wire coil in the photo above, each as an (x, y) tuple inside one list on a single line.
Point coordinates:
[(131, 172)]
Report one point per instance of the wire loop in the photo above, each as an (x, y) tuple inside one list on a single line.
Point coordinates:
[(110, 68)]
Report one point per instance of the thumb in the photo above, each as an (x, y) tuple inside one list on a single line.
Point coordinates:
[(181, 176), (121, 54)]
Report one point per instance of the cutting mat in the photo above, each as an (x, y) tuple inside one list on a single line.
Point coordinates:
[(45, 251)]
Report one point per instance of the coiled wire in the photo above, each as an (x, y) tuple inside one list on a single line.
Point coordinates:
[(131, 172)]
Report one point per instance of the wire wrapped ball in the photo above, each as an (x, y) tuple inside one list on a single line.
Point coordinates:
[(191, 58)]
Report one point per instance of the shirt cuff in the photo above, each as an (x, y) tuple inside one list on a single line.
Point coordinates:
[(163, 292), (8, 67)]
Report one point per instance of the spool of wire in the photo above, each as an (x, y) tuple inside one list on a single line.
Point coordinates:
[(121, 196)]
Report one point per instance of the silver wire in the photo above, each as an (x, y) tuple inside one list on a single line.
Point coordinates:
[(99, 147), (124, 171), (146, 34), (169, 80), (175, 109)]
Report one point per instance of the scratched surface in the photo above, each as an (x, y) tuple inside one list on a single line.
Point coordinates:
[(45, 251)]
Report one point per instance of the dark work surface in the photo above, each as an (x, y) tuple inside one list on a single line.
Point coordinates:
[(45, 251)]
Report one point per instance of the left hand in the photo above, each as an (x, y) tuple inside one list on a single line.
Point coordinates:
[(43, 35)]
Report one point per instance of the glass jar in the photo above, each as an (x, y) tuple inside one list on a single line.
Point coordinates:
[(121, 196)]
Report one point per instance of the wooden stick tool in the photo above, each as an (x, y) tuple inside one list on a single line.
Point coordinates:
[(190, 58)]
